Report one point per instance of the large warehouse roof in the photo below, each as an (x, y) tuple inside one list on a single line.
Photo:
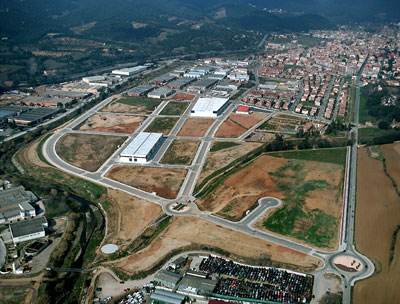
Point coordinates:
[(142, 144), (28, 227), (209, 104)]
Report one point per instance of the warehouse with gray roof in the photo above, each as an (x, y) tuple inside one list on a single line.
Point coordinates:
[(142, 149), (160, 296), (167, 278), (28, 230)]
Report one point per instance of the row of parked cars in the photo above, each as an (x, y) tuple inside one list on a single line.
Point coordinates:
[(132, 298), (262, 283)]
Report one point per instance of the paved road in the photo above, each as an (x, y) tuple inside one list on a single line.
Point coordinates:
[(186, 191)]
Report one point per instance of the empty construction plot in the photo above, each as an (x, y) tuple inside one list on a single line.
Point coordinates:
[(183, 96), (283, 123), (195, 127), (175, 108), (114, 123), (377, 223), (165, 182), (237, 124), (133, 105), (162, 125), (87, 152), (181, 152)]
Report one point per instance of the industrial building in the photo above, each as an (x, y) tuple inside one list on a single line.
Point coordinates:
[(64, 94), (140, 90), (163, 79), (130, 71), (180, 83), (196, 285), (202, 85), (28, 230), (45, 101), (142, 148), (210, 107), (15, 203), (167, 278), (36, 115), (159, 93), (160, 296)]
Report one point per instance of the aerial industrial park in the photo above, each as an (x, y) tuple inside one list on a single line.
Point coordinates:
[(237, 179)]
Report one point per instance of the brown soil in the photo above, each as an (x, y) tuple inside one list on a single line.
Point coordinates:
[(377, 216), (166, 182), (237, 124), (392, 153), (30, 156), (242, 189), (88, 152), (220, 159), (181, 152), (116, 107), (131, 216), (195, 127), (180, 234), (114, 123), (183, 96)]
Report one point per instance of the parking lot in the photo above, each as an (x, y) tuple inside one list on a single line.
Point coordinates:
[(261, 283)]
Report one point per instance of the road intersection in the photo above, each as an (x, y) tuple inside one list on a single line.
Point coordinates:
[(185, 195)]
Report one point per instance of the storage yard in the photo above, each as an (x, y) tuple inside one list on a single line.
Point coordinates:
[(114, 123)]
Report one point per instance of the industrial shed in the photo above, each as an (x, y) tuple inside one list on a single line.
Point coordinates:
[(28, 230), (197, 285), (210, 107), (167, 278), (142, 148), (166, 297)]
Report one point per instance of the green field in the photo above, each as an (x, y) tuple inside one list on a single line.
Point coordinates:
[(333, 155), (162, 125), (149, 103), (368, 133), (363, 116), (15, 295), (175, 108), (217, 146)]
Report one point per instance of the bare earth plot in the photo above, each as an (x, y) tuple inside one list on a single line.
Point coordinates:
[(181, 152), (129, 216), (184, 232), (237, 124), (133, 105), (377, 217), (115, 123), (222, 158), (162, 125), (166, 182), (195, 127), (282, 123), (391, 153), (16, 295), (175, 108), (183, 96), (87, 152)]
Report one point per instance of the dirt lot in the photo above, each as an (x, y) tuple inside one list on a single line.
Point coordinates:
[(165, 181), (377, 206), (222, 158), (181, 152), (283, 123), (132, 105), (195, 127), (88, 152), (237, 124), (183, 96), (115, 123), (180, 234), (392, 153), (130, 216)]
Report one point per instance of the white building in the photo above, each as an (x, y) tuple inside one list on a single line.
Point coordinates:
[(142, 148), (210, 107), (28, 230), (15, 203), (130, 71)]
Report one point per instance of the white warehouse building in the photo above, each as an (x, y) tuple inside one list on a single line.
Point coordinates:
[(129, 71), (142, 148), (209, 107)]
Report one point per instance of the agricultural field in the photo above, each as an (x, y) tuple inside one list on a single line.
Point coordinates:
[(162, 125), (175, 108), (195, 127), (283, 123), (166, 182), (114, 123), (221, 158), (237, 124), (87, 152), (181, 152), (133, 105), (179, 234), (378, 206)]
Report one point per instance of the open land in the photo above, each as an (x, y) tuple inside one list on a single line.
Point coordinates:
[(219, 159), (87, 152), (183, 96), (391, 153), (115, 123), (179, 234), (130, 216), (237, 124), (133, 105), (17, 295), (162, 125), (181, 152), (283, 123), (174, 108), (166, 182), (377, 206), (195, 127)]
